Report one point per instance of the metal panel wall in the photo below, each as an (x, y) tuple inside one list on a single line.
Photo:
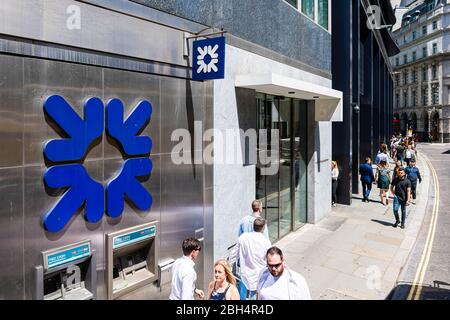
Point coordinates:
[(177, 190), (98, 29), (11, 111), (11, 234)]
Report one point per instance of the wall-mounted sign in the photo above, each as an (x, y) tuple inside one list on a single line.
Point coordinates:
[(66, 157), (208, 61), (64, 255), (133, 237)]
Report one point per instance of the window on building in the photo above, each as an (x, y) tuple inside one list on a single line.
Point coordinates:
[(435, 95), (414, 56), (293, 3), (435, 25), (414, 35), (434, 72), (397, 100), (435, 48), (414, 76), (424, 73), (397, 80), (405, 77), (405, 98), (404, 39), (414, 98), (424, 30), (323, 13), (308, 8), (405, 59), (424, 52), (425, 96), (397, 61)]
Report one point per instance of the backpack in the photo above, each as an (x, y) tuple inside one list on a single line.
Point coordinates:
[(384, 176)]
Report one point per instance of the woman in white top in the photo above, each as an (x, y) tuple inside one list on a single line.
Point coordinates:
[(334, 181)]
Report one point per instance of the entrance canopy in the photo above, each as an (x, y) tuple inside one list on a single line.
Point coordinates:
[(328, 102)]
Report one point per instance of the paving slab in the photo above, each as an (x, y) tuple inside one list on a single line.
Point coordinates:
[(355, 253)]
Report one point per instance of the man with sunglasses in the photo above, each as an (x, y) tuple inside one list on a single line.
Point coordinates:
[(183, 272), (278, 282)]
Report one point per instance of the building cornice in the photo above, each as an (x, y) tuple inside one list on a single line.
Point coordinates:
[(428, 37), (436, 57)]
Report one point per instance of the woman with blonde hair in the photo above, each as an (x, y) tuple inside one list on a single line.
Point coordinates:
[(224, 285), (334, 182)]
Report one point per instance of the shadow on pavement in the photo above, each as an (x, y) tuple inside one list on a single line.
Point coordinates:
[(446, 152), (384, 223), (360, 199), (429, 292)]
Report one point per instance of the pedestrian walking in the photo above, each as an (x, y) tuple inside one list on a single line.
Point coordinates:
[(413, 175), (334, 182), (246, 224), (183, 272), (278, 282), (383, 178), (400, 152), (398, 165), (409, 154), (252, 249), (223, 287), (367, 178), (401, 189), (382, 154)]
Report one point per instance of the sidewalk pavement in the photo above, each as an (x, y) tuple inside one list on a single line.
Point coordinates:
[(355, 253)]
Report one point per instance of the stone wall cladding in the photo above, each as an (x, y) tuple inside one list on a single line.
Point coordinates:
[(273, 24)]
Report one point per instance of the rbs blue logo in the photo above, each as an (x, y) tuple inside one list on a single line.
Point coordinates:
[(67, 154)]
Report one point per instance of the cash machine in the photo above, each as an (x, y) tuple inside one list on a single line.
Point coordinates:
[(131, 259), (66, 273)]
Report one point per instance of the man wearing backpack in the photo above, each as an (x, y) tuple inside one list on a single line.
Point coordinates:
[(413, 174)]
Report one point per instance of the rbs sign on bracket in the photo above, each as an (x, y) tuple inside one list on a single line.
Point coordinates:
[(72, 151)]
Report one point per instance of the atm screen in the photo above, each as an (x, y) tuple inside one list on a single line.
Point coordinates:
[(116, 269), (52, 283)]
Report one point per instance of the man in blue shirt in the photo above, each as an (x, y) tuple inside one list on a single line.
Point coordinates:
[(413, 174), (246, 224), (367, 178)]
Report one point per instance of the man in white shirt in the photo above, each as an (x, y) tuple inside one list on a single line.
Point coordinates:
[(382, 155), (251, 250), (278, 282), (183, 273), (246, 224)]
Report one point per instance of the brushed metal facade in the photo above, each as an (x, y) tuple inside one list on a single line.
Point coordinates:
[(178, 192), (99, 29)]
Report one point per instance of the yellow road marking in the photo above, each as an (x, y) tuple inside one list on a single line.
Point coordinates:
[(425, 258)]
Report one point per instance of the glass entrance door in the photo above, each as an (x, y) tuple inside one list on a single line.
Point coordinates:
[(284, 193)]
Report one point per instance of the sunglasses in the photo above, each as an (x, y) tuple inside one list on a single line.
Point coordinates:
[(274, 266)]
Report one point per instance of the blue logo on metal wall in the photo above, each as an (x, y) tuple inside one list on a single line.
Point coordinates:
[(67, 154), (208, 61)]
